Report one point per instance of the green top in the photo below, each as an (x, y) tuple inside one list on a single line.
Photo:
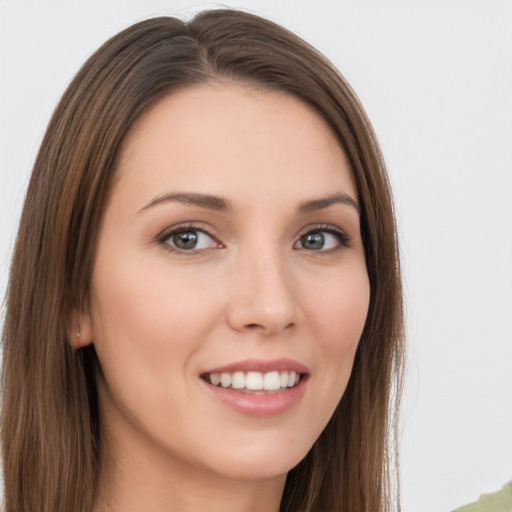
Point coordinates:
[(500, 501)]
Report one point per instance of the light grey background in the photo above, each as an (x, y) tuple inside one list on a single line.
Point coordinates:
[(436, 80)]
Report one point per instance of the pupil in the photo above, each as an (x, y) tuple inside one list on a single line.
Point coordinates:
[(186, 240), (313, 241)]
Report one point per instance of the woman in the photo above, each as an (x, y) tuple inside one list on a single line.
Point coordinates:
[(204, 307)]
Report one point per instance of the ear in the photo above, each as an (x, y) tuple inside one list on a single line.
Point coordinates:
[(80, 332)]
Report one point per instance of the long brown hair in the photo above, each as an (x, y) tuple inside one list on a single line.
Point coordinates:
[(50, 418)]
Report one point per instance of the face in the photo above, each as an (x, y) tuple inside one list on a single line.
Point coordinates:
[(230, 288)]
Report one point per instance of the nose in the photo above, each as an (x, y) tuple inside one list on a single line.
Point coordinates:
[(263, 298)]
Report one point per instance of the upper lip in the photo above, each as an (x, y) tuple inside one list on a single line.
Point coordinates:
[(261, 365)]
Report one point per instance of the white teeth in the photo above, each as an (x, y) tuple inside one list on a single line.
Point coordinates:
[(256, 381), (225, 380), (272, 381), (238, 380)]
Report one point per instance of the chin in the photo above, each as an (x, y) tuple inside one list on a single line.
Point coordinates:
[(263, 461)]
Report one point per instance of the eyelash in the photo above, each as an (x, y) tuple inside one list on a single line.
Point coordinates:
[(342, 237), (184, 228), (344, 240)]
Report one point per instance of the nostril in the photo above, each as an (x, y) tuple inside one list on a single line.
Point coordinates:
[(267, 329), (256, 328)]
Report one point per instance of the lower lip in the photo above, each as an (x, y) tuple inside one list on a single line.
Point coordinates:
[(270, 404)]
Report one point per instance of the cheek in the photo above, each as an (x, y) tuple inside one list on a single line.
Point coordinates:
[(148, 310), (149, 323), (338, 317), (339, 310)]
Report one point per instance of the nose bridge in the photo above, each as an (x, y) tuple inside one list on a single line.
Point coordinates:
[(263, 297)]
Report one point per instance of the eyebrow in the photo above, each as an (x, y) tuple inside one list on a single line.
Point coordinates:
[(201, 200), (325, 202), (219, 204)]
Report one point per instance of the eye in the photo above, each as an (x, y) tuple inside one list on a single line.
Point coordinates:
[(189, 239), (323, 239)]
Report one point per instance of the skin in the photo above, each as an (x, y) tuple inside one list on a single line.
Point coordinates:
[(160, 317)]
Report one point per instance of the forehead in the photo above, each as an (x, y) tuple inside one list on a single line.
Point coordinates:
[(235, 138)]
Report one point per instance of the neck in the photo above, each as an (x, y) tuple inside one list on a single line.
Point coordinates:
[(147, 480)]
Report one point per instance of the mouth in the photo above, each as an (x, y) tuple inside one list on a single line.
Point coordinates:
[(258, 388), (253, 382)]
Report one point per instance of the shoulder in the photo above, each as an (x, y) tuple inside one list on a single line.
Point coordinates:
[(500, 501)]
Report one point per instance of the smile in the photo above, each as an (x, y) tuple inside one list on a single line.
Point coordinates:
[(273, 381), (257, 387)]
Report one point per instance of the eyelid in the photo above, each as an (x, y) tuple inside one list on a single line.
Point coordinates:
[(162, 238), (344, 239)]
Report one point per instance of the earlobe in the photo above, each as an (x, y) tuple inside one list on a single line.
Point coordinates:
[(80, 330)]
